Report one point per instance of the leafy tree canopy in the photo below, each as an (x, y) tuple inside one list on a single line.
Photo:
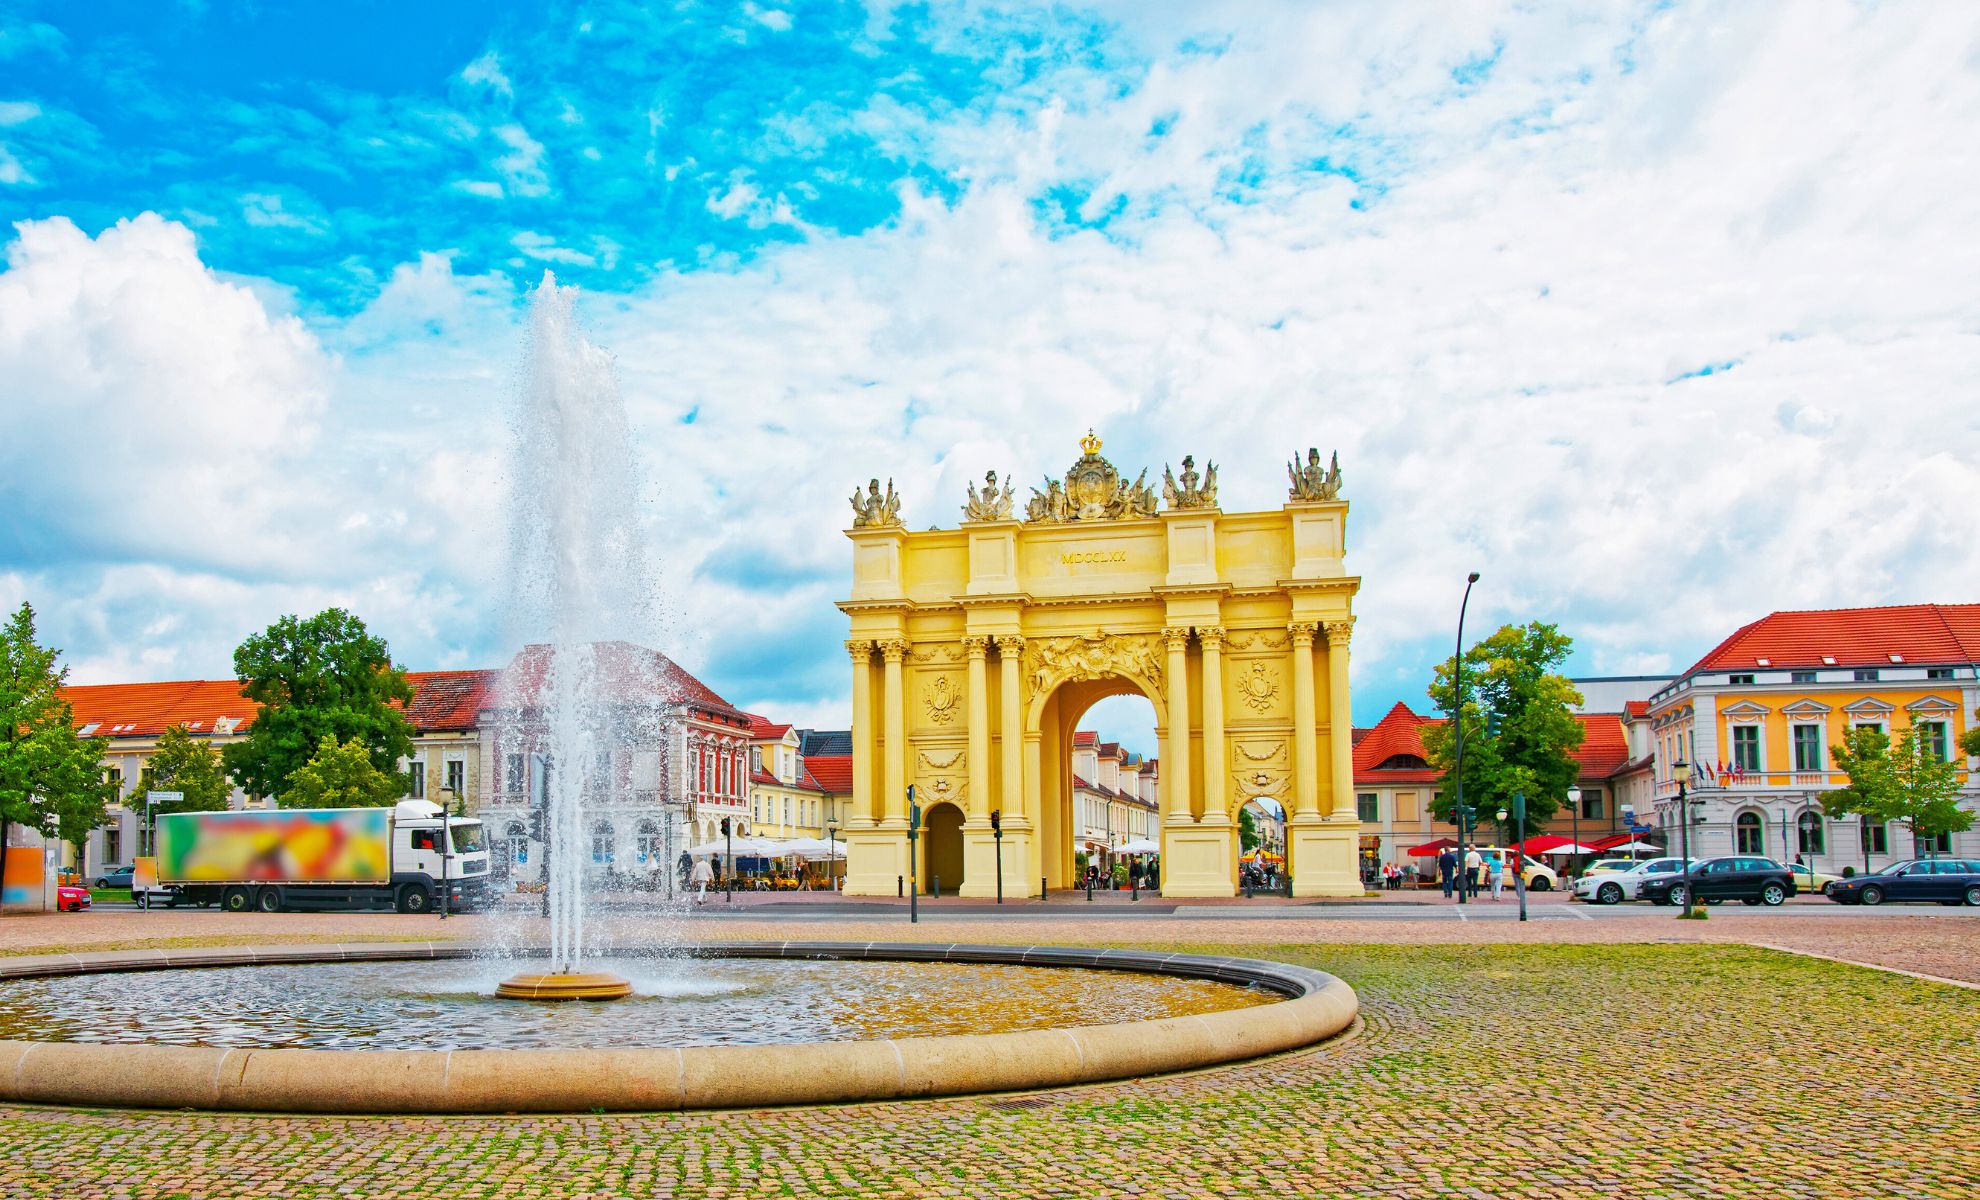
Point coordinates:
[(1520, 732), (341, 775), (1247, 830), (50, 780), (317, 679), (1907, 780), (188, 765)]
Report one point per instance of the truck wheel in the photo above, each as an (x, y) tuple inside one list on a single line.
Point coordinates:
[(268, 900), (414, 898), (236, 899)]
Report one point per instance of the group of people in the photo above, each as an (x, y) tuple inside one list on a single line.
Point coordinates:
[(1393, 878), (1478, 871)]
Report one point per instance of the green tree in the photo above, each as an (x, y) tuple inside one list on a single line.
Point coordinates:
[(1905, 780), (188, 765), (50, 779), (1247, 830), (341, 775), (316, 679), (1520, 732)]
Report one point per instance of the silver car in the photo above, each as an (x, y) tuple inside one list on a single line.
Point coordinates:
[(1614, 887)]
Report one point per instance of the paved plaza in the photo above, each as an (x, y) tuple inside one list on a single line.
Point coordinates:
[(1561, 1058)]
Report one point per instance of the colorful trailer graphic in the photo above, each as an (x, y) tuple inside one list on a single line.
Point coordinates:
[(346, 845)]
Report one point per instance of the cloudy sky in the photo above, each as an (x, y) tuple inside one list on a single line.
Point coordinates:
[(1661, 316)]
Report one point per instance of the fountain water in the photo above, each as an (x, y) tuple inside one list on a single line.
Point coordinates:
[(578, 571)]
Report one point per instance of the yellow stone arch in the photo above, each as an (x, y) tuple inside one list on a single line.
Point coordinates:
[(975, 650)]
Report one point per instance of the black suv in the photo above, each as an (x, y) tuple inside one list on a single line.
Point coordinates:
[(1946, 880), (1735, 877)]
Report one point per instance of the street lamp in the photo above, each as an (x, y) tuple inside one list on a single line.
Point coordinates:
[(1519, 872), (1681, 771), (831, 853), (1458, 811), (997, 838), (1574, 813)]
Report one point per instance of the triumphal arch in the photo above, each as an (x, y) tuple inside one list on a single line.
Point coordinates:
[(976, 650)]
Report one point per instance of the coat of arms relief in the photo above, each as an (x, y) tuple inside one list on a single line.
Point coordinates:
[(1049, 662)]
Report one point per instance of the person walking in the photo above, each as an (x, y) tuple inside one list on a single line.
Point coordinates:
[(1474, 867), (700, 878), (1498, 869), (1447, 868)]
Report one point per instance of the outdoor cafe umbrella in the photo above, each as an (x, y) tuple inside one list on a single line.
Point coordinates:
[(1432, 849), (1570, 848), (1141, 846), (1631, 847), (815, 848)]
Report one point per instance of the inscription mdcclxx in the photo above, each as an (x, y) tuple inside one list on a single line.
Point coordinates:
[(1071, 557)]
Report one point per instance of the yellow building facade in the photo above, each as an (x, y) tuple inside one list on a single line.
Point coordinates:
[(975, 651)]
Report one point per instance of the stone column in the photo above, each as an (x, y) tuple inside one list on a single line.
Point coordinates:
[(1175, 757), (1215, 768), (979, 728), (1340, 721), (862, 802), (893, 785), (1010, 726), (1306, 773)]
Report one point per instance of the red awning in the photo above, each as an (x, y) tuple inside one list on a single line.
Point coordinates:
[(1432, 849), (1543, 843), (1617, 839)]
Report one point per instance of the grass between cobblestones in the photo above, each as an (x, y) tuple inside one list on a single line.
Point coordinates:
[(1485, 1071)]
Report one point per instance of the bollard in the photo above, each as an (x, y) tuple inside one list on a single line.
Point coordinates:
[(1043, 892), (899, 891), (935, 893), (1089, 889), (1134, 887)]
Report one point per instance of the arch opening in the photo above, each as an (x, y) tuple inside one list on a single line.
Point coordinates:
[(1101, 777), (942, 853)]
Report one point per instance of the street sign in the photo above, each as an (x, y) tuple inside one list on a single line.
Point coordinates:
[(164, 797)]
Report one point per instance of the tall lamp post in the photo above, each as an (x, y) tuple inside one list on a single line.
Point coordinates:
[(1681, 770), (1458, 810), (831, 855), (997, 838)]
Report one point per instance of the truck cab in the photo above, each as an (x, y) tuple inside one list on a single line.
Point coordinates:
[(419, 828)]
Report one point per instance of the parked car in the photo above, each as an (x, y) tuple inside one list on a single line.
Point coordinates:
[(115, 877), (1735, 877), (1614, 887), (1808, 879), (1539, 876), (1944, 880), (1604, 866), (70, 898)]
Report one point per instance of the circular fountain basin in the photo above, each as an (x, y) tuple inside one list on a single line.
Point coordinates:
[(842, 1022)]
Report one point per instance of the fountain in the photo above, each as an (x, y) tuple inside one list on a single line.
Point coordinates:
[(576, 556)]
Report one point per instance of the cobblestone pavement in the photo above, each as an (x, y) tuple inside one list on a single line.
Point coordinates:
[(1481, 1070)]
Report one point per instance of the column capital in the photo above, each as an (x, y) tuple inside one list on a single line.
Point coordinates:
[(1176, 639), (1338, 632), (976, 645), (1009, 644), (1302, 632), (860, 649), (894, 649), (1212, 637)]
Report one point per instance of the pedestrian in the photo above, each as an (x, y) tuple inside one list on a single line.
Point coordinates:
[(1447, 868), (1498, 869), (700, 878), (1474, 868)]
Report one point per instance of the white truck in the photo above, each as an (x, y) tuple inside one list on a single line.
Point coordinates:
[(323, 859)]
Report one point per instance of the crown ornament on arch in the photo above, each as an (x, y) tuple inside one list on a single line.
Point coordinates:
[(1092, 490)]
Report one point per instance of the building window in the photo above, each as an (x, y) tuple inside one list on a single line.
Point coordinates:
[(515, 773), (1801, 676), (648, 845), (1876, 837), (1938, 672), (1934, 739), (1807, 747), (113, 847), (416, 779), (1748, 835), (1936, 844), (1746, 747), (1867, 675), (1367, 807), (1591, 804), (114, 776), (457, 777), (601, 842), (1738, 680), (1808, 837)]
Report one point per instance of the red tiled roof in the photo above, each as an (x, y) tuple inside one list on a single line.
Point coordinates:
[(764, 729), (443, 701), (833, 772), (1110, 750), (1636, 708), (759, 775), (1400, 732), (1854, 637), (623, 671), (1085, 737)]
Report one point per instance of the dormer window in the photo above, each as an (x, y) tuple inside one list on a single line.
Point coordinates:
[(1739, 680), (1867, 674)]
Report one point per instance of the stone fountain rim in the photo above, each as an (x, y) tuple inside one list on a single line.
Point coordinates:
[(659, 1079)]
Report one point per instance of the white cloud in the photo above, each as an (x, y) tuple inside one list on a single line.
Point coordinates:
[(18, 112), (269, 210), (486, 71), (522, 167), (487, 188)]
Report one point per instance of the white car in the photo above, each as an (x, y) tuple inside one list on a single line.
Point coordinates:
[(1614, 887)]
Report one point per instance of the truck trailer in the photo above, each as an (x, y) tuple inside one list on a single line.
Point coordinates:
[(323, 859)]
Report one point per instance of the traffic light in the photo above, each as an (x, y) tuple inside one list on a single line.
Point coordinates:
[(725, 827), (996, 820)]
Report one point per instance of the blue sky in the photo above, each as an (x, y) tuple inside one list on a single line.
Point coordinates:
[(1654, 313)]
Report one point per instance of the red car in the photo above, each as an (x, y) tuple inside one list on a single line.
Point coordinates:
[(71, 899)]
